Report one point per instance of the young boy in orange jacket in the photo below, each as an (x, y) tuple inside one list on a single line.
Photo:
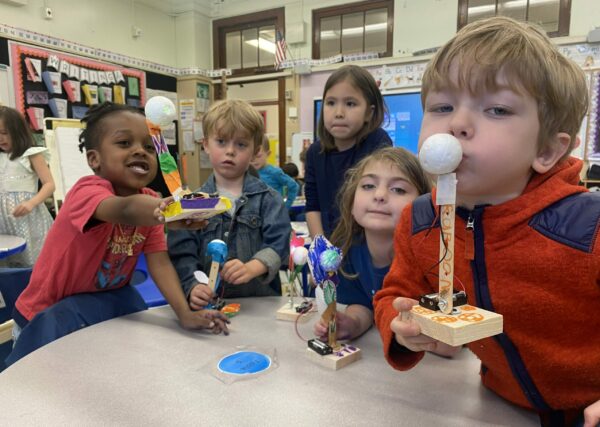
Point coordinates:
[(515, 104)]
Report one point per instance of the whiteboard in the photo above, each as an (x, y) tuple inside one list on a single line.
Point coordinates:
[(6, 90), (73, 162), (67, 163)]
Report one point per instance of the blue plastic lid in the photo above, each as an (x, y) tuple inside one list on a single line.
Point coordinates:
[(244, 363)]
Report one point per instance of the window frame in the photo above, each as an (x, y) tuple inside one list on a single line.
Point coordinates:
[(239, 23), (363, 6), (564, 17)]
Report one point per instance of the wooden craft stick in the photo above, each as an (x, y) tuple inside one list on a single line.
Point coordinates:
[(446, 268), (214, 273)]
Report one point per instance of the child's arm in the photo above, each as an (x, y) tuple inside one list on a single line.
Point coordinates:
[(408, 332), (313, 221), (165, 277), (38, 164), (292, 188), (354, 322), (313, 209), (591, 415), (142, 210)]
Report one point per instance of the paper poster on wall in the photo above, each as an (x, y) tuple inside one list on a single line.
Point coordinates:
[(64, 67), (188, 141), (93, 76), (73, 71), (134, 89), (53, 62), (186, 114), (84, 75), (34, 69)]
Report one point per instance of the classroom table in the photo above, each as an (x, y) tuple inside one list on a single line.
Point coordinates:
[(143, 369), (10, 245)]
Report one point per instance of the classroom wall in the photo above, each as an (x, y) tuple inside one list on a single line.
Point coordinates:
[(418, 24), (104, 24), (185, 39)]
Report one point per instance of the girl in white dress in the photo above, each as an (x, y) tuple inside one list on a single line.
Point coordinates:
[(22, 209)]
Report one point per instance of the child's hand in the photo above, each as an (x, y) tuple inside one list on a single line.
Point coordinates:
[(182, 224), (22, 209), (238, 273), (408, 332), (320, 330), (205, 319), (591, 415), (345, 327), (200, 296)]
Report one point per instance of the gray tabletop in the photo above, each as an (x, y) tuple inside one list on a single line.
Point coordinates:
[(143, 369)]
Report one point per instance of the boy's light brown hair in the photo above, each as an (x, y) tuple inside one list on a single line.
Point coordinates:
[(531, 64), (265, 144), (228, 117)]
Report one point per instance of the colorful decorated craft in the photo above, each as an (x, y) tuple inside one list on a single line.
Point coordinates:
[(196, 206), (324, 260), (160, 111), (297, 261)]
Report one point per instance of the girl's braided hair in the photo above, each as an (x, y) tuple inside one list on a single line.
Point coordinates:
[(92, 133)]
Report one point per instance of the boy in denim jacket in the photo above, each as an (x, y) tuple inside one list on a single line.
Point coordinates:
[(257, 228)]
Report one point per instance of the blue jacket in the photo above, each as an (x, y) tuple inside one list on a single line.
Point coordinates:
[(260, 229), (275, 178), (324, 175)]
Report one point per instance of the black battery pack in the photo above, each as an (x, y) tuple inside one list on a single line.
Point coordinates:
[(430, 301), (320, 347)]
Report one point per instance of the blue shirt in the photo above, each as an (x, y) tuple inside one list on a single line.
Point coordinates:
[(370, 278), (275, 178), (324, 175)]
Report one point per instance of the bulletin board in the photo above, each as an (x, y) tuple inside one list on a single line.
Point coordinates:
[(53, 84)]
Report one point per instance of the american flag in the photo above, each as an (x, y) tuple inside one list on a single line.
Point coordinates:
[(280, 48)]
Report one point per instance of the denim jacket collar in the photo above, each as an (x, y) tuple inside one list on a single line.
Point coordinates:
[(251, 186)]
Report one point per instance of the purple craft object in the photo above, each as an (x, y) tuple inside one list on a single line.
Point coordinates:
[(323, 252), (199, 203)]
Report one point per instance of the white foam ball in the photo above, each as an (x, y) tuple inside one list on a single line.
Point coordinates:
[(300, 255), (440, 153), (160, 111)]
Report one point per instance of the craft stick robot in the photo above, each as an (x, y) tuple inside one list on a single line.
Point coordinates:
[(217, 250), (324, 260), (440, 155), (160, 112)]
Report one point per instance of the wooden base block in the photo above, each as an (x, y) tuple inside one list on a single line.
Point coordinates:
[(290, 314), (6, 331), (342, 356), (470, 324)]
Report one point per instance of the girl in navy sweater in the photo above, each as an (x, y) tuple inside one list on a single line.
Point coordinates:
[(348, 130)]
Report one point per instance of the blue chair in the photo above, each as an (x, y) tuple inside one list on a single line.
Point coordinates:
[(143, 283), (73, 313), (12, 282)]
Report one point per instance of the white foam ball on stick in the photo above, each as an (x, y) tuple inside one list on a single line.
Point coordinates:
[(440, 153), (300, 255), (160, 111)]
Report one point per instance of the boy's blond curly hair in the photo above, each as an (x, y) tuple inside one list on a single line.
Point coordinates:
[(530, 62), (228, 117)]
